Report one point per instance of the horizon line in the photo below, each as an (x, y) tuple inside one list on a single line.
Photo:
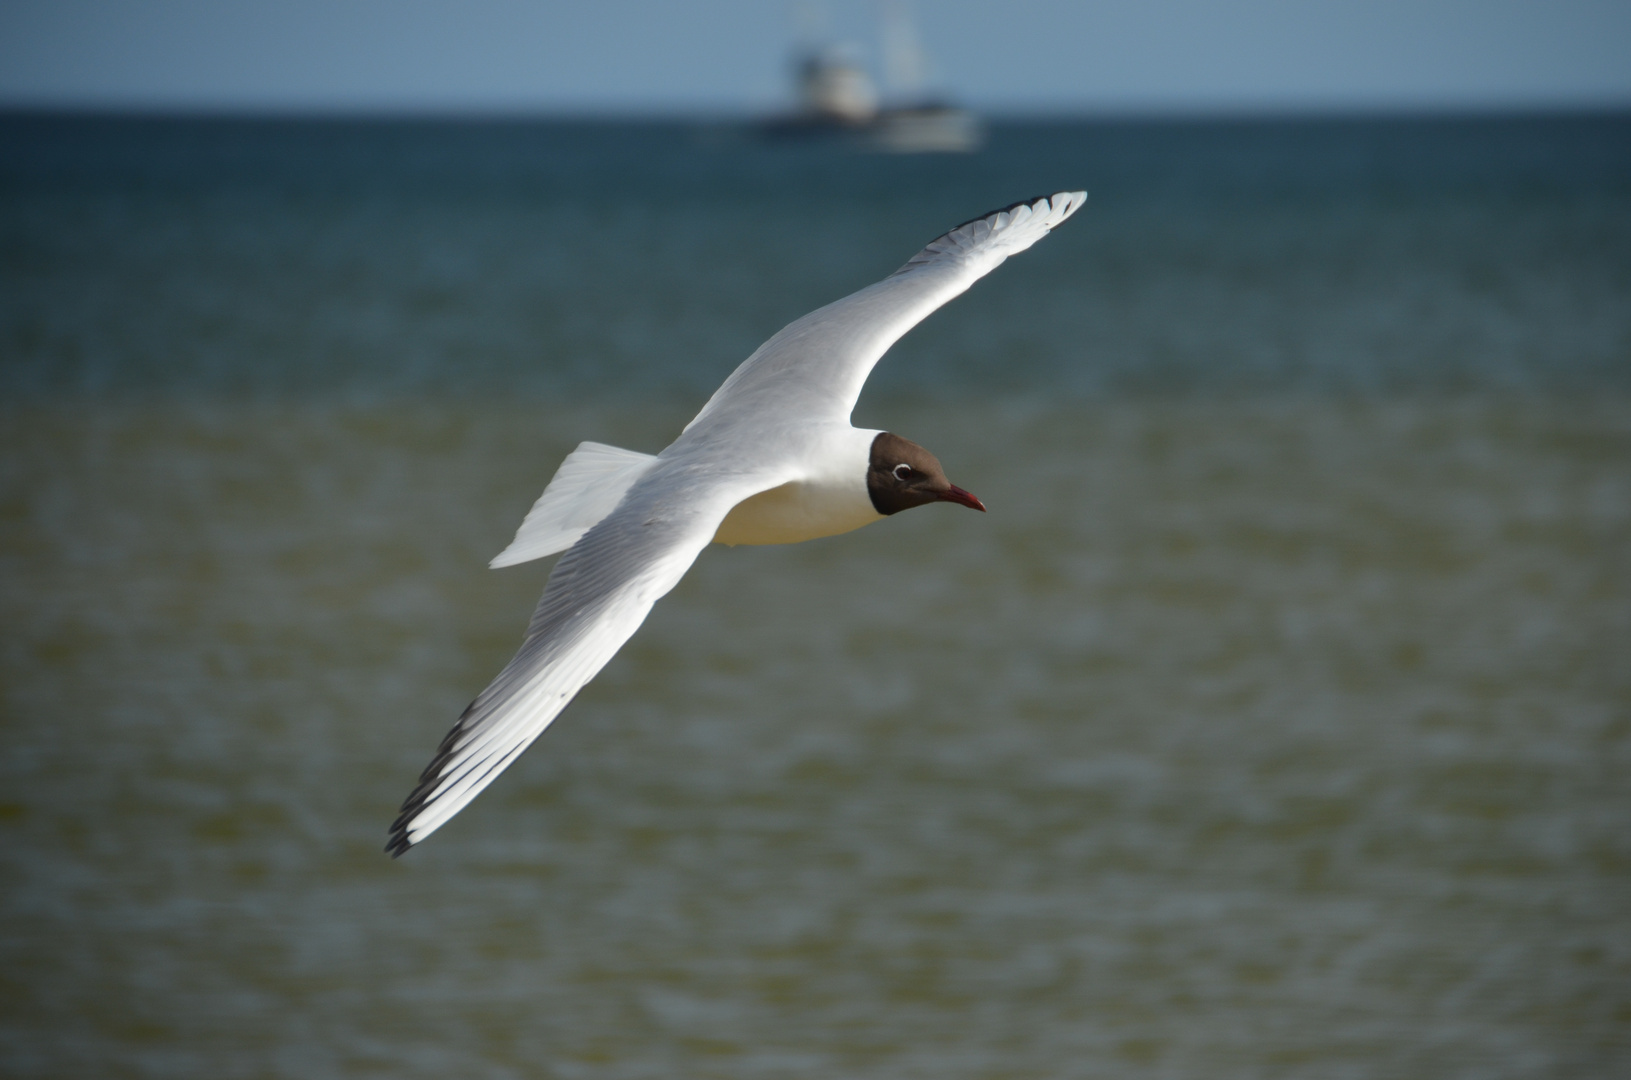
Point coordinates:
[(1223, 112)]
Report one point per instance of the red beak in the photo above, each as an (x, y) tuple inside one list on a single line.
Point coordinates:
[(962, 498)]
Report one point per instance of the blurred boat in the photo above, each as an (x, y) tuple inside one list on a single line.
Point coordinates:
[(839, 102)]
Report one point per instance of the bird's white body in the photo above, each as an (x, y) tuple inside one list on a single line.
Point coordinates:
[(830, 498), (770, 459)]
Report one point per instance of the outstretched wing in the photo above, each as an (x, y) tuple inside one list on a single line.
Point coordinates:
[(597, 596), (815, 367)]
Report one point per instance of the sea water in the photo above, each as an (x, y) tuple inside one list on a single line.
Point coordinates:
[(1276, 721)]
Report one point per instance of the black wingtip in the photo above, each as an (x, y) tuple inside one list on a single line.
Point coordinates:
[(398, 843), (415, 802)]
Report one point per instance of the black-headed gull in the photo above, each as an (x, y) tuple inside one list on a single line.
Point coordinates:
[(770, 459)]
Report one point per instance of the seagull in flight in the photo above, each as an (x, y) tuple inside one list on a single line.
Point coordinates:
[(770, 459)]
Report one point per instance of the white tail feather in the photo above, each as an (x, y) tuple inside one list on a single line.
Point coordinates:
[(588, 486)]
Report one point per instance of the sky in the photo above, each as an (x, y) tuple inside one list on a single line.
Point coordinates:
[(731, 56)]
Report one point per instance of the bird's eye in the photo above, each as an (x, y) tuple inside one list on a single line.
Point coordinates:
[(903, 472)]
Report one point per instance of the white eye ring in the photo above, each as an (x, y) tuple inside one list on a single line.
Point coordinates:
[(902, 471)]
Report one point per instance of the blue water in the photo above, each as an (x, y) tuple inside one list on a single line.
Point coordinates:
[(359, 259), (1275, 722)]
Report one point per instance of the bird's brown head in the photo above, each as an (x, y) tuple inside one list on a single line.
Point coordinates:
[(902, 475)]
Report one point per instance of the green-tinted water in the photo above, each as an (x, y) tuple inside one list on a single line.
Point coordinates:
[(1258, 738)]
